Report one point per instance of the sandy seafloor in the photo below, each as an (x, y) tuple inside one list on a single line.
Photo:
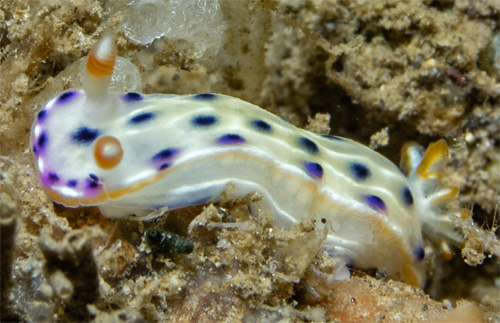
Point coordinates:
[(386, 72)]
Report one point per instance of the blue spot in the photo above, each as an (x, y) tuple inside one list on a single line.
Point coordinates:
[(261, 125), (419, 253), (375, 202), (204, 120), (66, 97), (205, 96), (407, 196), (164, 166), (85, 135), (132, 97), (360, 171), (165, 154), (93, 181), (53, 177), (143, 117), (35, 150), (42, 114), (42, 140), (309, 145), (231, 138), (332, 137), (314, 169), (92, 184), (72, 183)]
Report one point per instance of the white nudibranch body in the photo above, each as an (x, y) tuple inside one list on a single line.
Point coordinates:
[(132, 154)]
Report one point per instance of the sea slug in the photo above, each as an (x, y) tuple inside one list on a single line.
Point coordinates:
[(133, 153)]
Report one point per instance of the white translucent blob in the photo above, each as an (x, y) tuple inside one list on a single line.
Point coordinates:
[(125, 77), (146, 20), (196, 21)]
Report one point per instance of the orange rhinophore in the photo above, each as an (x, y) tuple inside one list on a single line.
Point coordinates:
[(102, 57)]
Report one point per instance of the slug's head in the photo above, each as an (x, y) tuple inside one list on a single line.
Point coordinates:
[(69, 135)]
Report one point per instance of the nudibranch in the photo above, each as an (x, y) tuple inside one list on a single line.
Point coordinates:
[(133, 153)]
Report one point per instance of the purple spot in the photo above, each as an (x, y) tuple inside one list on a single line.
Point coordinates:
[(35, 150), (53, 177), (93, 181), (42, 114), (84, 135), (230, 138), (42, 140), (132, 97), (164, 166), (314, 169), (143, 117), (72, 183), (165, 154), (375, 202), (360, 171), (419, 253), (92, 184), (205, 96), (66, 97), (407, 196)]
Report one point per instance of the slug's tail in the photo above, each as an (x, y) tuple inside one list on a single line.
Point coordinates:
[(424, 172)]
